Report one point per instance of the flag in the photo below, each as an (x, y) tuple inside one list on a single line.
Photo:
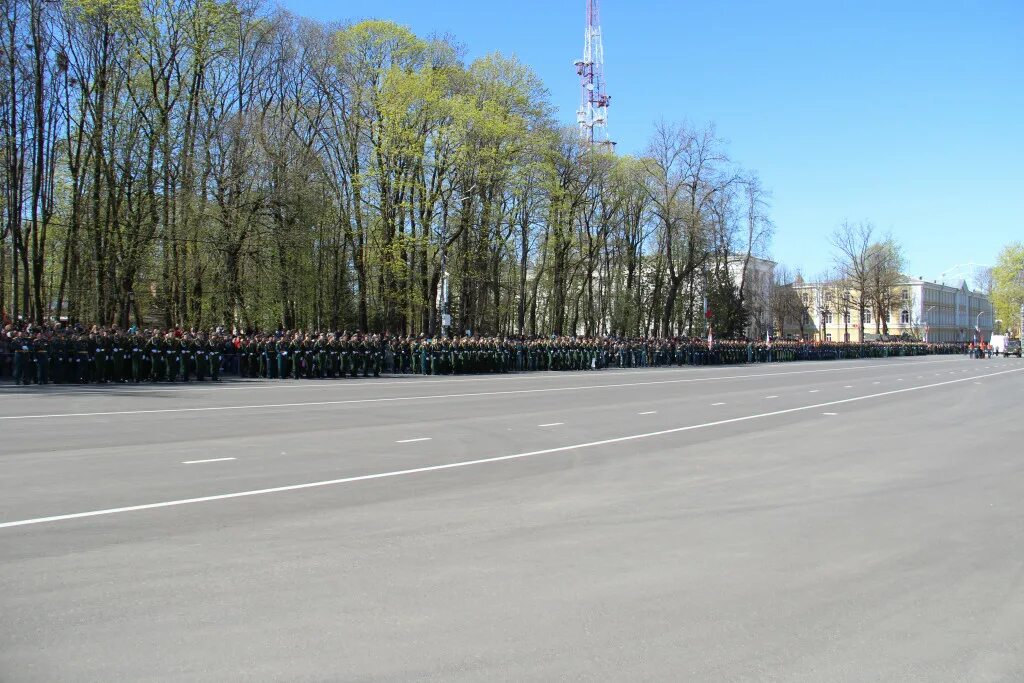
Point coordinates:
[(768, 338), (711, 338)]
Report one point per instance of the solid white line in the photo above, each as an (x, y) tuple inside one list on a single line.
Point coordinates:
[(389, 399), (552, 424), (649, 412), (422, 438), (479, 461), (256, 384), (196, 462)]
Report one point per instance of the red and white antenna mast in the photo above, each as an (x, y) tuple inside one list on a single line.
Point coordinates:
[(592, 116)]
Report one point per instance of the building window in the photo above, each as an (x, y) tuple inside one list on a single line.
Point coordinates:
[(826, 317), (846, 318), (867, 317), (905, 317), (807, 319), (828, 337)]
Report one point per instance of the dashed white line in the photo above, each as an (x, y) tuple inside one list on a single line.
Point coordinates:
[(648, 412), (420, 438), (479, 461), (718, 404), (196, 462), (830, 413), (848, 386), (552, 424), (876, 382), (771, 397)]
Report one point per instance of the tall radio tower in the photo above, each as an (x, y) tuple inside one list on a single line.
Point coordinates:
[(592, 116)]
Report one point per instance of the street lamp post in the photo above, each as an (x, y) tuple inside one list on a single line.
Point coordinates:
[(446, 318)]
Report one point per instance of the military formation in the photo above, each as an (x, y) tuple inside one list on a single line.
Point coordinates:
[(73, 355)]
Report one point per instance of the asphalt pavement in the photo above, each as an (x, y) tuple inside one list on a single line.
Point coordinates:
[(849, 520)]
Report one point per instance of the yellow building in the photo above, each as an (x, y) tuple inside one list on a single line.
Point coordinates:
[(918, 309)]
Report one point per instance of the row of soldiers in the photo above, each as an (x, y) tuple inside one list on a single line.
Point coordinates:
[(103, 355)]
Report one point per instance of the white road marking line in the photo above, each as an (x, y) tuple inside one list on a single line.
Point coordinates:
[(552, 424), (422, 438), (479, 461), (254, 384), (389, 399), (848, 386), (196, 462), (771, 397), (813, 391), (649, 412), (830, 413), (718, 404), (876, 382), (900, 379)]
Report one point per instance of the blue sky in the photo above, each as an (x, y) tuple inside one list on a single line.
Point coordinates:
[(907, 114)]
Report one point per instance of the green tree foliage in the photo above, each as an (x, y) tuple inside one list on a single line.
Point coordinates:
[(203, 162), (1008, 285)]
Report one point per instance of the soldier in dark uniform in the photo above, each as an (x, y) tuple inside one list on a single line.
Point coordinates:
[(41, 349)]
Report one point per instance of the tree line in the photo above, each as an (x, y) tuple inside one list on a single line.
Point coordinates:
[(201, 162)]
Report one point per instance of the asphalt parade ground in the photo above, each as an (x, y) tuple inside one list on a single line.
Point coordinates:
[(850, 521)]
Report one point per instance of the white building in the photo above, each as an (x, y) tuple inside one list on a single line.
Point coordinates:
[(757, 285)]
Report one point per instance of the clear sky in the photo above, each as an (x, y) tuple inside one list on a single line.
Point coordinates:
[(905, 113)]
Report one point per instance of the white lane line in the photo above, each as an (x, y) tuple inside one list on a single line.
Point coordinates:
[(900, 379), (196, 462), (479, 461), (256, 384), (876, 382), (830, 413), (552, 424), (422, 438), (430, 397), (767, 397), (649, 412), (848, 386), (813, 391), (718, 404)]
